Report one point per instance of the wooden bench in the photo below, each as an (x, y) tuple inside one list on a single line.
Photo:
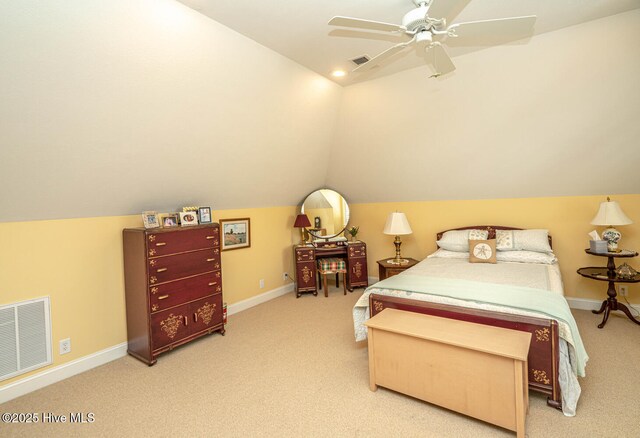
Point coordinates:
[(474, 369)]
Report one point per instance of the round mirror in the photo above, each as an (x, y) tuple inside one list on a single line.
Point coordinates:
[(328, 212)]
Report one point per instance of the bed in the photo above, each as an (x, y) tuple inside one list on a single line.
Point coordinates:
[(445, 284)]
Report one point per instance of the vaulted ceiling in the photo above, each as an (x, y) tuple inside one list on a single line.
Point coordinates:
[(111, 108), (298, 28)]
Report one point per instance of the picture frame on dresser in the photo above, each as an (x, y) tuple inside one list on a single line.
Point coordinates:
[(204, 215), (150, 219), (235, 233), (170, 220), (188, 218)]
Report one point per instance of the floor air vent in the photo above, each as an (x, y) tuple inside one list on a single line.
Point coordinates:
[(25, 337)]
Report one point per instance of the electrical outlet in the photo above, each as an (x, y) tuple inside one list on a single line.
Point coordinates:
[(261, 283), (285, 276), (623, 290), (65, 346)]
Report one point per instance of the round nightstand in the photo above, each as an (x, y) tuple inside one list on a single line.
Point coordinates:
[(609, 275)]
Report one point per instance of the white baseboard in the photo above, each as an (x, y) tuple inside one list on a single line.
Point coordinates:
[(61, 372), (586, 304), (80, 365), (583, 303), (259, 299)]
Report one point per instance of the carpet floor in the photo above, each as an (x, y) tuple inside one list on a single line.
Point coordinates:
[(291, 367)]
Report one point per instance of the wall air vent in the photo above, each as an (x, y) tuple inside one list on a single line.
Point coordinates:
[(25, 337), (360, 60)]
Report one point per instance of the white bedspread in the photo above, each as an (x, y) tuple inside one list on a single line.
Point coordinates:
[(537, 276)]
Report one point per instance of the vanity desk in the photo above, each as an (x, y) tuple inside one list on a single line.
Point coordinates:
[(328, 211), (306, 259)]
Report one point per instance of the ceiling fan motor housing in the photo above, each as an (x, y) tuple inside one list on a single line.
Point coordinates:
[(416, 19)]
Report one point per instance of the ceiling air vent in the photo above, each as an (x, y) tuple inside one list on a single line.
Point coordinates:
[(360, 60)]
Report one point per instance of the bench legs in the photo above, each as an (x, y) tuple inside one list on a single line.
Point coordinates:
[(324, 282)]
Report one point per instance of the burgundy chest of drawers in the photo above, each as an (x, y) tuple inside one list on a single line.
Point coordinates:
[(173, 285)]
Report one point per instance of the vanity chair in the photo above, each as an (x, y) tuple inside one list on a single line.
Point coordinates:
[(328, 252)]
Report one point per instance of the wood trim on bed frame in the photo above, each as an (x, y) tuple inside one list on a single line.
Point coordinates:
[(491, 228), (544, 354)]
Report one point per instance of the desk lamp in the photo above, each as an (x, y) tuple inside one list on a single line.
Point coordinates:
[(302, 221), (397, 225), (608, 215)]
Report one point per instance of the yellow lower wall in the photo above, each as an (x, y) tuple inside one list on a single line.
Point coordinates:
[(78, 263), (566, 218)]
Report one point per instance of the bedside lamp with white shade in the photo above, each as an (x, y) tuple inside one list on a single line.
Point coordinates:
[(397, 225), (608, 215)]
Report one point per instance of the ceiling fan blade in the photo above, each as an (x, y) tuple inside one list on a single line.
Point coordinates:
[(440, 59), (365, 24), (381, 57), (447, 9), (492, 32)]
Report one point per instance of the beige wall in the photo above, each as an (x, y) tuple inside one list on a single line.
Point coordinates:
[(566, 218), (557, 116), (78, 264), (114, 107)]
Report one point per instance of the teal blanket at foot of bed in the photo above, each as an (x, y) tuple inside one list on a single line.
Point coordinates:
[(552, 304)]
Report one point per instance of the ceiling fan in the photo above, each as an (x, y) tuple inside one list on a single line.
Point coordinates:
[(427, 27)]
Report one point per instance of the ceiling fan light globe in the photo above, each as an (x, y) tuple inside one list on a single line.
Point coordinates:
[(424, 37)]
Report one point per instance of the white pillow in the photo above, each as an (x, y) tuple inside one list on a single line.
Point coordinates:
[(523, 240), (444, 254), (504, 256), (458, 240)]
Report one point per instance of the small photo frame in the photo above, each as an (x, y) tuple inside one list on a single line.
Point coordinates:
[(204, 215), (170, 220), (150, 219), (236, 233), (188, 218)]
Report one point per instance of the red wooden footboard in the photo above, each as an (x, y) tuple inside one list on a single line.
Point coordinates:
[(543, 353)]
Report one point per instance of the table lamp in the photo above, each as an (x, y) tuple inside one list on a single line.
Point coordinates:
[(608, 215), (397, 225), (302, 221)]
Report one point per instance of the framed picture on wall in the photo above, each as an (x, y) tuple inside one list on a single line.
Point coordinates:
[(188, 218), (236, 233), (150, 219), (204, 215)]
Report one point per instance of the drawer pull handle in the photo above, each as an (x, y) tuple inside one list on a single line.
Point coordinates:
[(195, 316), (210, 260), (211, 237), (163, 297), (186, 321), (212, 283), (161, 243), (161, 269)]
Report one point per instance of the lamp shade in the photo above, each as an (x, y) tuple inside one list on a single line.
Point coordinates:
[(610, 213), (302, 221), (397, 225)]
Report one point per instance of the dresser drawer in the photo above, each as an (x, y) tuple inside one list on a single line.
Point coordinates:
[(305, 255), (169, 268), (164, 243), (357, 250), (170, 326), (167, 295)]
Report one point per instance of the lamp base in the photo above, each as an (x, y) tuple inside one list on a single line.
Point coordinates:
[(612, 236)]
